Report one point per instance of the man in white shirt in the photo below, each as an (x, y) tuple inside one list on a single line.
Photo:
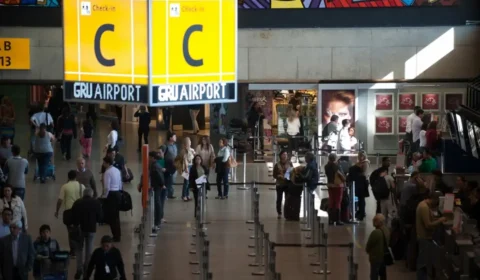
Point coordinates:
[(410, 118), (416, 128), (42, 117), (112, 185), (344, 144)]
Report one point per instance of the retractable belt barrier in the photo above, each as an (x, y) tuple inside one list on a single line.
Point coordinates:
[(146, 239), (264, 253), (202, 245)]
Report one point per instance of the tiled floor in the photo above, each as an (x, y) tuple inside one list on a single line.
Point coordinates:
[(228, 233)]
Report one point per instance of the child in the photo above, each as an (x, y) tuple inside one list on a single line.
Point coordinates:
[(86, 139)]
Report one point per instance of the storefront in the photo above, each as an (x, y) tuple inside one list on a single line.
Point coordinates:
[(377, 112)]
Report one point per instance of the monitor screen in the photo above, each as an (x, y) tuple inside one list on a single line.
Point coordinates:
[(461, 135), (471, 139)]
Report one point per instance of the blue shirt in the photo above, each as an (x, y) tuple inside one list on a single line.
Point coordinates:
[(4, 230), (172, 152), (313, 168)]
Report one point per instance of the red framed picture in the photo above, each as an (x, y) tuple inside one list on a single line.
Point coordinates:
[(453, 101), (407, 101), (384, 102), (384, 125), (431, 101), (402, 124)]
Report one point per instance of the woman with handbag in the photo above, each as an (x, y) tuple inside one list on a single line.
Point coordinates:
[(280, 170), (206, 152), (222, 168), (335, 183), (197, 171), (378, 250), (187, 154)]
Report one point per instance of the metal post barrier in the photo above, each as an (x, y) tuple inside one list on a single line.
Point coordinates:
[(256, 216), (325, 270), (245, 187), (266, 251), (353, 219), (352, 266), (271, 271), (259, 245), (203, 205), (320, 228), (306, 206), (233, 170), (200, 253), (206, 262), (275, 149), (253, 191)]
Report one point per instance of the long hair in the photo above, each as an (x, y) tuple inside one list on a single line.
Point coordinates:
[(195, 160), (205, 146), (292, 115)]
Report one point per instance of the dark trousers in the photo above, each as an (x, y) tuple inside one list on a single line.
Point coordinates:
[(169, 184), (292, 144), (361, 208), (144, 132), (167, 116), (280, 191), (43, 160), (119, 113), (66, 145), (112, 214), (71, 238), (378, 270), (222, 177), (159, 197)]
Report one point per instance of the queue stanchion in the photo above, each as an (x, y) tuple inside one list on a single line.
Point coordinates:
[(263, 267), (136, 269), (306, 209), (196, 233), (233, 170), (200, 260), (271, 271), (205, 260), (353, 220), (256, 228), (256, 212), (244, 163), (324, 265), (253, 191), (318, 240), (203, 205), (151, 216), (311, 214), (352, 266)]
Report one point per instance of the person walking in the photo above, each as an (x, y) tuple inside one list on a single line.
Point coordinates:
[(206, 152), (43, 149), (67, 130), (344, 144), (335, 183), (85, 177), (5, 151), (377, 245), (69, 193), (87, 138), (16, 254), (197, 171), (44, 248), (144, 119), (112, 185), (15, 169), (255, 123), (187, 154), (330, 135), (170, 155), (106, 261), (86, 213), (12, 201), (194, 110), (112, 137), (281, 173), (222, 168)]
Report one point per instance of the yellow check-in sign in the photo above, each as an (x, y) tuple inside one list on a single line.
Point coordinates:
[(14, 54), (194, 41)]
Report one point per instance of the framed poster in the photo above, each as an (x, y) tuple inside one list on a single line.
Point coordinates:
[(402, 124), (453, 101), (407, 101), (384, 125), (384, 101), (430, 101)]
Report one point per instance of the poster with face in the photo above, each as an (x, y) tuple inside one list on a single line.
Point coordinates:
[(453, 101), (383, 101), (340, 103), (402, 124), (431, 101), (407, 101), (384, 125)]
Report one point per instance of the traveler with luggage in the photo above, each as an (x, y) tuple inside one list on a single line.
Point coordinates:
[(157, 183), (10, 200), (377, 248), (222, 168), (67, 130), (45, 247), (43, 149), (107, 262), (335, 183), (281, 173), (15, 169)]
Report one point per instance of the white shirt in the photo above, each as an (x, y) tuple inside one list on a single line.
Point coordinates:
[(41, 117), (423, 138), (344, 142), (112, 180), (416, 127), (353, 142), (112, 138), (293, 127), (410, 119)]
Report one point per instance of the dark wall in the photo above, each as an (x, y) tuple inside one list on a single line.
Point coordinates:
[(293, 18), (181, 115)]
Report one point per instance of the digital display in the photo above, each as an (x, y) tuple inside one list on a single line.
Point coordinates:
[(471, 139)]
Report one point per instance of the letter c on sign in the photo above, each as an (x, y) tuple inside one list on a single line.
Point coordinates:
[(186, 52), (98, 51)]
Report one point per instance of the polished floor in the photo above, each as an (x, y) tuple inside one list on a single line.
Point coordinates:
[(227, 231)]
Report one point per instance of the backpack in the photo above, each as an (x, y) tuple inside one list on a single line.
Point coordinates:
[(125, 201), (380, 189)]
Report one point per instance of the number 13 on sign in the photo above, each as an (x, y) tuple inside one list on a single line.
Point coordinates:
[(175, 10)]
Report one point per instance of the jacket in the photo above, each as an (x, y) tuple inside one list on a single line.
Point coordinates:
[(18, 208), (86, 213), (67, 125), (311, 175), (144, 120), (193, 175), (100, 259), (279, 173), (45, 249), (157, 179), (25, 257)]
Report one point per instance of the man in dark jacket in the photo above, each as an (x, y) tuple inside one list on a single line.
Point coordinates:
[(144, 119), (106, 261), (16, 254), (376, 174), (157, 183), (86, 213)]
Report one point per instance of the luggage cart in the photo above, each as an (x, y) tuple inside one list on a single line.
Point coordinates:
[(55, 267)]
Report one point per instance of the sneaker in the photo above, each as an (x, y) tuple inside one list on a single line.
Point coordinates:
[(189, 198), (78, 275), (185, 199)]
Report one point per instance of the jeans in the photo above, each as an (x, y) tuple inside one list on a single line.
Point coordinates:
[(20, 192), (361, 208), (280, 191), (143, 132), (159, 197), (169, 183), (223, 177), (378, 270), (43, 160), (186, 185), (66, 145), (87, 240)]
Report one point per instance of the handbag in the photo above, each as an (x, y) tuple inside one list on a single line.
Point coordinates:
[(231, 162), (388, 258)]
